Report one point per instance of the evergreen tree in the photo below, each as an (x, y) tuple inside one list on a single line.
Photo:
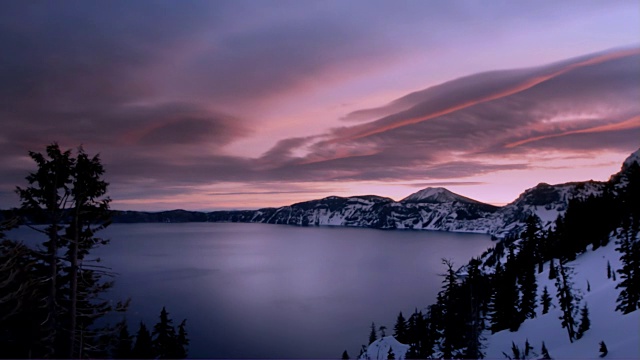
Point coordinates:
[(608, 270), (567, 299), (143, 347), (124, 342), (164, 337), (183, 341), (603, 349), (68, 195), (552, 270), (588, 286), (585, 323), (372, 334), (400, 329), (504, 306), (544, 352), (21, 288), (473, 289), (629, 248), (454, 322), (527, 348), (546, 300), (345, 355)]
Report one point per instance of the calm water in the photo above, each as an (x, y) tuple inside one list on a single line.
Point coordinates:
[(275, 291)]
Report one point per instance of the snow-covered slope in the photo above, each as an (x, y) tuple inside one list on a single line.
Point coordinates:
[(633, 158), (621, 333), (379, 349)]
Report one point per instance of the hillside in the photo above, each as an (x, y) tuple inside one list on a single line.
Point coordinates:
[(620, 333), (570, 283)]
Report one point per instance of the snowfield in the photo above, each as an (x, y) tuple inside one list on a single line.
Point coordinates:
[(621, 333)]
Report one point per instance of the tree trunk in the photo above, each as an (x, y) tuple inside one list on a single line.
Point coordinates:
[(74, 285)]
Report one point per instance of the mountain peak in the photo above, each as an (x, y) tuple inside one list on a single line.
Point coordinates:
[(634, 157), (435, 195)]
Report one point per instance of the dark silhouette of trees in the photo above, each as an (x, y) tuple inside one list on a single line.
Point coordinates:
[(60, 299), (372, 334), (544, 353), (603, 349), (628, 245), (124, 342), (546, 300), (400, 329), (143, 347), (567, 300), (585, 323)]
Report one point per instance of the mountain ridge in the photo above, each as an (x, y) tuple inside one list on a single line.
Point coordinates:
[(431, 208)]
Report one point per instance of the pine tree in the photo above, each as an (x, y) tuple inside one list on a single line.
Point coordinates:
[(552, 270), (143, 347), (453, 326), (546, 300), (21, 312), (345, 355), (124, 342), (567, 299), (182, 341), (608, 270), (400, 329), (603, 349), (68, 194), (588, 286), (372, 334), (544, 352), (164, 336), (527, 348), (585, 323), (629, 248), (505, 302), (515, 350)]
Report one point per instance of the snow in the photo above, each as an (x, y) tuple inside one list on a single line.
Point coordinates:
[(621, 333), (379, 349), (634, 157), (435, 195)]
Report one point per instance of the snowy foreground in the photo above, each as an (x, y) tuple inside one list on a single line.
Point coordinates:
[(621, 333)]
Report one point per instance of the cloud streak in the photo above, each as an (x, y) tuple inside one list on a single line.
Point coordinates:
[(181, 97)]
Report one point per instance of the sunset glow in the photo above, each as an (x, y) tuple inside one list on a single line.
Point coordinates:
[(210, 105)]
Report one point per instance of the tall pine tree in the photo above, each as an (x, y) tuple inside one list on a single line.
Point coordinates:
[(629, 247), (567, 299)]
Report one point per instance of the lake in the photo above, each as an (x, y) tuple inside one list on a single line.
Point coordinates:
[(277, 291)]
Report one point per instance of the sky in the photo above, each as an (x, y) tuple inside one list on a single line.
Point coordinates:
[(206, 105)]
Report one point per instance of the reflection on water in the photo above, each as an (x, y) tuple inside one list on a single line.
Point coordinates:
[(272, 291)]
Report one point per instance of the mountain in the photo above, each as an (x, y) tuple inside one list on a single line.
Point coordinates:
[(437, 195), (432, 208)]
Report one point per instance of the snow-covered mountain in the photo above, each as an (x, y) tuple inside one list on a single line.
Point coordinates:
[(430, 209), (436, 195)]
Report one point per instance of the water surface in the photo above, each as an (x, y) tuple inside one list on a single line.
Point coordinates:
[(276, 291)]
